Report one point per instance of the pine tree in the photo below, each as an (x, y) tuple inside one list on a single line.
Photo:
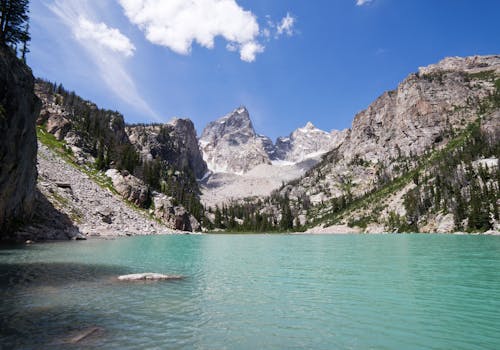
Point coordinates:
[(25, 48), (14, 27)]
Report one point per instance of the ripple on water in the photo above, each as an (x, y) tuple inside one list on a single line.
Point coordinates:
[(246, 292)]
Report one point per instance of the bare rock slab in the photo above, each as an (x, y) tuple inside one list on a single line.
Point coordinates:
[(148, 276)]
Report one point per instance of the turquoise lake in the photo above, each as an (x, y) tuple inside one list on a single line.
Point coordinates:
[(255, 292)]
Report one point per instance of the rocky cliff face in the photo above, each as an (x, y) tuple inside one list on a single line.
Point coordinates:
[(422, 111), (231, 145), (174, 142), (19, 108)]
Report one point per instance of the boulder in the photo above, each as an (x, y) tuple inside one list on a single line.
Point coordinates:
[(58, 125), (176, 217), (129, 187), (148, 276), (106, 214)]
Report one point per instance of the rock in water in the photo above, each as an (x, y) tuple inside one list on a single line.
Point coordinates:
[(84, 334), (148, 276), (19, 108)]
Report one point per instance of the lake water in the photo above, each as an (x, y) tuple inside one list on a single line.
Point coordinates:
[(255, 292)]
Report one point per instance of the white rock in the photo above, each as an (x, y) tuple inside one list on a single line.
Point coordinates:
[(148, 276)]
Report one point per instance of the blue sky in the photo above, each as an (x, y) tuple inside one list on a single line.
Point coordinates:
[(288, 62)]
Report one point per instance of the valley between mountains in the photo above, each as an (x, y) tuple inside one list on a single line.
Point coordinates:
[(423, 157)]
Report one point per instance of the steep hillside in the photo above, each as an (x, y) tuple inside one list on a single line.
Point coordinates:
[(151, 161)]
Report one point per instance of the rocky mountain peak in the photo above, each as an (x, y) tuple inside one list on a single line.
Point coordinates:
[(309, 126), (232, 139), (306, 142), (231, 145), (236, 124), (463, 64)]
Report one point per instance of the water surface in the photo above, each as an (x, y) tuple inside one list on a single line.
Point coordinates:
[(255, 291)]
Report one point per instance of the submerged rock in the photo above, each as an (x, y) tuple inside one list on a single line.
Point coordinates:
[(148, 276), (84, 334)]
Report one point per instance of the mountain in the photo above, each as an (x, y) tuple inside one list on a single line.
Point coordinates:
[(423, 157), (246, 164), (401, 144), (230, 144), (307, 142), (153, 167)]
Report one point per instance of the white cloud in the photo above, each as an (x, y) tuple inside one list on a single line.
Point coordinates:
[(101, 34), (286, 25), (101, 43), (177, 24), (266, 33), (363, 2), (249, 50)]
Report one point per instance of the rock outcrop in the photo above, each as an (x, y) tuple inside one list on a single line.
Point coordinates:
[(174, 142), (174, 216), (135, 191), (422, 111), (129, 187), (19, 108), (230, 144)]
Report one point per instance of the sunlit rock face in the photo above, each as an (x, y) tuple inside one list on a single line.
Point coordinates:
[(231, 145)]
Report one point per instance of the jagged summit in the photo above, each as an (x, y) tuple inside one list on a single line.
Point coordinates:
[(231, 145), (463, 64), (309, 126), (306, 142), (236, 123)]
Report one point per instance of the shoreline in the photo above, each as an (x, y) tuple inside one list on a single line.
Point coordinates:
[(311, 232)]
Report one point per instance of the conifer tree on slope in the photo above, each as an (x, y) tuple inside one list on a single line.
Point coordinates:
[(14, 23)]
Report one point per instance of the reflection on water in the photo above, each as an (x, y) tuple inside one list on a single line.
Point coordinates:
[(246, 292)]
